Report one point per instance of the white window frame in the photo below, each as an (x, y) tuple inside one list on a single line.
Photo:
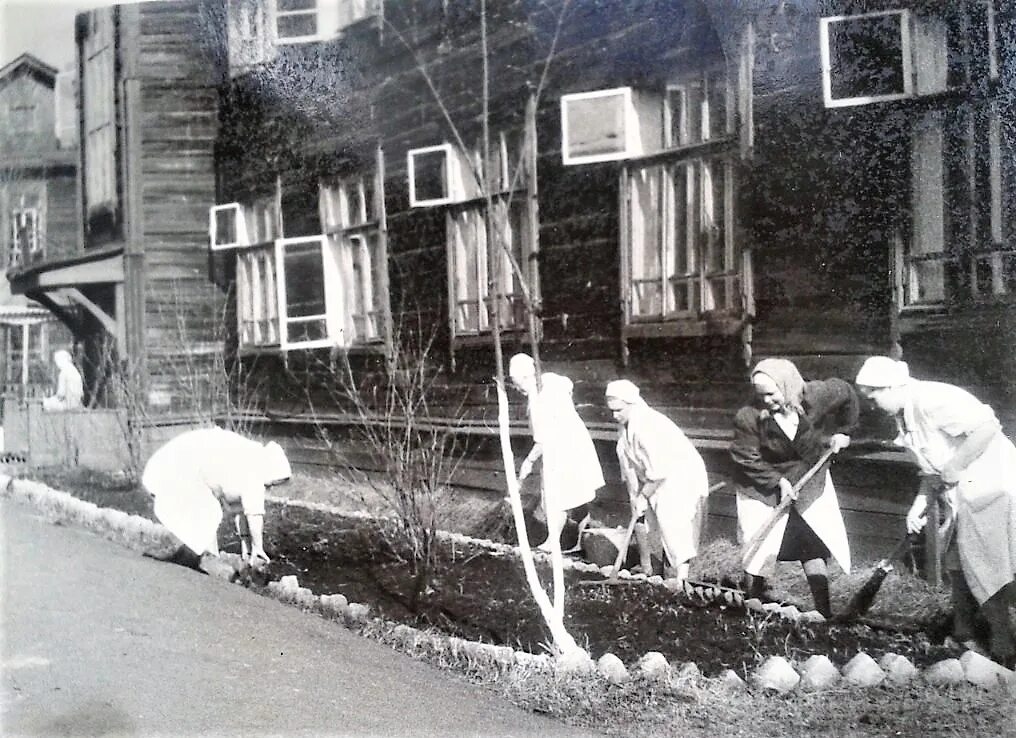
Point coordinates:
[(257, 295), (474, 214), (694, 238), (239, 227), (630, 136), (332, 283), (906, 51), (457, 176), (15, 254), (326, 19), (351, 219)]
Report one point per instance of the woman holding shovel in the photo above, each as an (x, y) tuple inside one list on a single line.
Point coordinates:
[(792, 428), (571, 470), (960, 448), (665, 475)]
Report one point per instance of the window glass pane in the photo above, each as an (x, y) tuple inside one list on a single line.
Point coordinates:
[(369, 209), (225, 225), (296, 26), (596, 125), (300, 215), (429, 176), (646, 228), (681, 253), (866, 56), (305, 284), (290, 5), (927, 281), (931, 54), (717, 104), (677, 116)]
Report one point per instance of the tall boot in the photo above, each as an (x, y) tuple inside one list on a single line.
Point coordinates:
[(819, 585)]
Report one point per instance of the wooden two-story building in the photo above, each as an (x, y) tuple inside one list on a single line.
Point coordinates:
[(38, 216), (147, 315), (686, 187)]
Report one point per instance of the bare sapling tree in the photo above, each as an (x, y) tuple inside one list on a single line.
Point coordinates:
[(416, 451), (552, 611), (199, 382)]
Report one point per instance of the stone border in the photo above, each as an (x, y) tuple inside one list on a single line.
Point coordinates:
[(775, 674)]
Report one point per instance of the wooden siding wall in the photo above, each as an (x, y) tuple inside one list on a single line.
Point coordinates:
[(177, 61), (27, 88)]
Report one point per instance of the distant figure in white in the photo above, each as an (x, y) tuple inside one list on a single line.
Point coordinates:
[(199, 474), (70, 389), (665, 475), (571, 470)]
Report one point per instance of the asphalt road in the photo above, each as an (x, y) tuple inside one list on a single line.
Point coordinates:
[(100, 641)]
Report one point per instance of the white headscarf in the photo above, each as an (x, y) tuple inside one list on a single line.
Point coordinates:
[(881, 371), (275, 464), (520, 366), (624, 390)]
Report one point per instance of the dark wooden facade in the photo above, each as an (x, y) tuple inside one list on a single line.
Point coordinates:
[(147, 123), (819, 207)]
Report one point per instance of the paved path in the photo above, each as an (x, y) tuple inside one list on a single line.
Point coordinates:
[(98, 640)]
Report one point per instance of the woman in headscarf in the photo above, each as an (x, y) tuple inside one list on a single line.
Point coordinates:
[(776, 441), (664, 473), (571, 470), (965, 458)]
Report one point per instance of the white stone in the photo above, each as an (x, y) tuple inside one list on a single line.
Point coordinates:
[(732, 680), (575, 661), (357, 612), (789, 612), (688, 670), (612, 669), (898, 669), (607, 571), (653, 665), (818, 673), (947, 671), (812, 616), (624, 574), (984, 672), (771, 606), (862, 671), (338, 602), (655, 579), (754, 604), (289, 583), (674, 584), (777, 674)]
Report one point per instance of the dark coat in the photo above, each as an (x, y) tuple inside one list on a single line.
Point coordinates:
[(764, 454)]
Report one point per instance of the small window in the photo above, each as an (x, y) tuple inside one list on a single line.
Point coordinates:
[(22, 118), (698, 109), (866, 58), (307, 278), (26, 245), (227, 227), (303, 21), (257, 298), (439, 175), (607, 125)]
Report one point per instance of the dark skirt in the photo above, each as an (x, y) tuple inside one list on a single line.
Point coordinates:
[(800, 542)]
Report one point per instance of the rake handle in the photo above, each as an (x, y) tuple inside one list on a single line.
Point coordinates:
[(767, 527)]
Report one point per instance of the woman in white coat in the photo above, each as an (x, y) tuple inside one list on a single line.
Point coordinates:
[(69, 386), (198, 474), (664, 473), (571, 470), (959, 445), (776, 441)]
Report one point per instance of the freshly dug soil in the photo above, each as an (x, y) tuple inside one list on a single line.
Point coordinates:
[(482, 595)]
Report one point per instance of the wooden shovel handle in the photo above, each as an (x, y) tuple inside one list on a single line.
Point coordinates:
[(767, 527), (623, 551)]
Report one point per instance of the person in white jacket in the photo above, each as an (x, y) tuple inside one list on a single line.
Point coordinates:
[(571, 469), (665, 475), (962, 452), (197, 475), (69, 386)]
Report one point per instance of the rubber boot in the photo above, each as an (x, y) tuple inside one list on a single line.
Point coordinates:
[(754, 586), (819, 585)]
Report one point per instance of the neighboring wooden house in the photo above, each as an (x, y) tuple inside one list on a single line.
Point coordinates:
[(688, 187), (38, 217), (147, 123)]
